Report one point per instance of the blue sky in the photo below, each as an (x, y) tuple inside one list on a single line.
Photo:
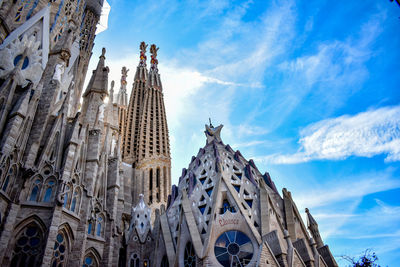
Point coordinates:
[(309, 89)]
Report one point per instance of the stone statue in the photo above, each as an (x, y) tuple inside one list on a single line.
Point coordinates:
[(113, 145), (101, 112), (59, 71)]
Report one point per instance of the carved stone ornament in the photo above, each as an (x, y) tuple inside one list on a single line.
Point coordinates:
[(143, 58), (26, 50), (140, 220)]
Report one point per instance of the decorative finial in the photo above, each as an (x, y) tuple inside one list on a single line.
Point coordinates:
[(154, 60), (143, 58), (103, 52), (211, 126), (213, 133), (124, 73), (112, 85)]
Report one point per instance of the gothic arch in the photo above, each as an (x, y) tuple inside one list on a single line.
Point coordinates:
[(68, 230), (26, 221), (28, 243), (9, 178), (35, 188), (95, 258), (62, 245)]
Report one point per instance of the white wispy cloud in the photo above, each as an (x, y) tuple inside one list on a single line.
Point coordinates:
[(349, 189), (343, 197), (248, 144), (365, 134)]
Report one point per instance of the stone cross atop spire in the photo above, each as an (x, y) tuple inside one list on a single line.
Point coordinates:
[(213, 133)]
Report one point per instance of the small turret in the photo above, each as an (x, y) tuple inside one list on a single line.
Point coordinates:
[(99, 80), (122, 95), (93, 104), (312, 225)]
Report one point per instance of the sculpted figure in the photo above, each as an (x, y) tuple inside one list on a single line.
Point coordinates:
[(58, 72), (101, 112)]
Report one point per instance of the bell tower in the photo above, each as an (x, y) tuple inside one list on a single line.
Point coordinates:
[(146, 139)]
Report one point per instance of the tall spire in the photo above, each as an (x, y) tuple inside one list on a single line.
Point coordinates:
[(131, 123), (99, 80), (146, 140), (152, 149)]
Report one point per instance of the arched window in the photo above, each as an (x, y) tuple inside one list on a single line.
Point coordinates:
[(164, 261), (90, 261), (67, 195), (49, 188), (60, 250), (227, 206), (76, 200), (12, 171), (35, 191), (28, 248), (90, 228), (189, 257), (100, 226), (134, 260)]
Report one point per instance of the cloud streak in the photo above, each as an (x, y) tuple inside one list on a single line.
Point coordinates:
[(365, 134)]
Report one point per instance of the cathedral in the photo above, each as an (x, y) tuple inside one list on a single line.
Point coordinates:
[(85, 173)]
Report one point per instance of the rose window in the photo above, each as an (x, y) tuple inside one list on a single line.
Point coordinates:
[(233, 248), (189, 256)]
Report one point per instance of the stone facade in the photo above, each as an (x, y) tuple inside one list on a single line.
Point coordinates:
[(90, 184)]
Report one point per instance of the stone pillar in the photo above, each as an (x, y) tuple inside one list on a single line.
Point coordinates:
[(52, 234), (8, 233)]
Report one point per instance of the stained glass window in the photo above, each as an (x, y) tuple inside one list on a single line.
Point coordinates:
[(75, 200), (89, 231), (89, 261), (233, 248), (9, 178), (35, 192), (50, 184), (60, 251), (28, 247), (66, 196), (189, 256), (99, 226)]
